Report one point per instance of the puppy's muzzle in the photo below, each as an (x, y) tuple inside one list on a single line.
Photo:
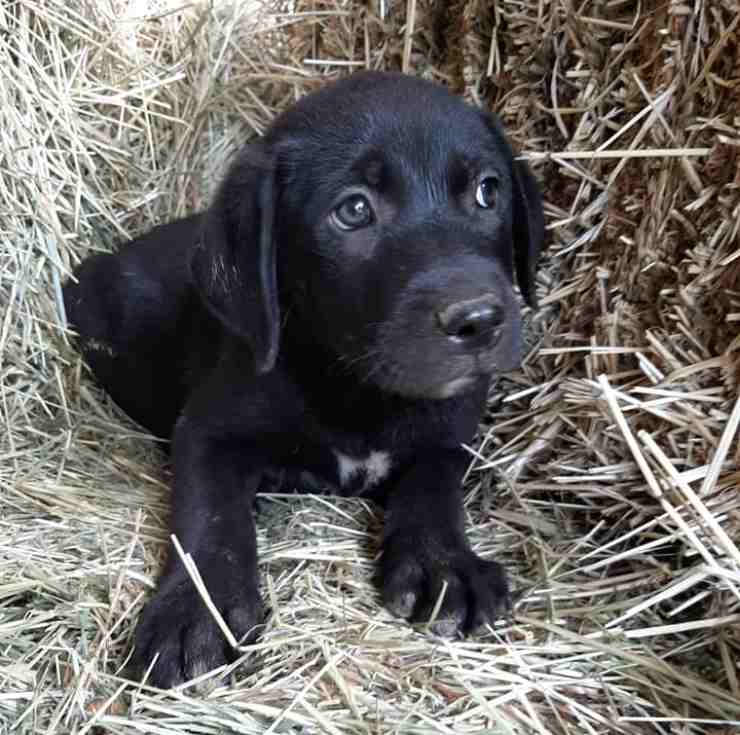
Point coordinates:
[(473, 323)]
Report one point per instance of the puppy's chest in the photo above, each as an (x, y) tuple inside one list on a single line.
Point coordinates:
[(359, 474), (332, 471), (361, 451)]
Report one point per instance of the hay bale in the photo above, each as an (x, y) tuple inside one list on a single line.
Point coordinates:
[(605, 474)]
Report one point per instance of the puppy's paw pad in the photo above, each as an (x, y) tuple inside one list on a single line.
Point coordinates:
[(401, 585), (466, 592), (491, 595), (447, 627), (178, 629), (401, 603)]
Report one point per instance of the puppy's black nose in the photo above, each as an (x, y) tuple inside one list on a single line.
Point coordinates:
[(473, 322)]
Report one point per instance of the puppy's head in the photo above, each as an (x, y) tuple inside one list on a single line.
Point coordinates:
[(389, 219)]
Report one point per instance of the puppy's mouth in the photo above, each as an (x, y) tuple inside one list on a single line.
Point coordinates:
[(457, 386), (433, 381), (482, 368)]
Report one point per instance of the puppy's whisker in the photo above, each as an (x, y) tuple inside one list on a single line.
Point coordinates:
[(351, 361)]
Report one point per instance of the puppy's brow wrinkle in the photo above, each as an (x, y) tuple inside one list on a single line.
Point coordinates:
[(372, 169), (461, 171)]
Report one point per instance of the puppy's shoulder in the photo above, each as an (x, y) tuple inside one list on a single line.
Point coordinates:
[(229, 398)]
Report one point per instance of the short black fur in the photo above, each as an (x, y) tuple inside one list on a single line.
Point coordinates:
[(331, 323)]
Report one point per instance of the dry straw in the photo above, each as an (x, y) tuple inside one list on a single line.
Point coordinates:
[(605, 474)]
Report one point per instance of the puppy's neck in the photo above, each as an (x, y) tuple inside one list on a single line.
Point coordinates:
[(329, 381)]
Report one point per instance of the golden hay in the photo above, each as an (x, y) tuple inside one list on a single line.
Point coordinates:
[(605, 475)]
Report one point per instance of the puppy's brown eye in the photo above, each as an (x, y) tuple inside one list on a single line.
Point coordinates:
[(485, 196), (353, 213)]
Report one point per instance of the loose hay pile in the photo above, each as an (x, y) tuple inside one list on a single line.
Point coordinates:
[(613, 500)]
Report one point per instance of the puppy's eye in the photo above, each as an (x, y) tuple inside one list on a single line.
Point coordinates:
[(353, 213), (485, 196)]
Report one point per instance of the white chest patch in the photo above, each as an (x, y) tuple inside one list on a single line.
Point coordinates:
[(362, 473)]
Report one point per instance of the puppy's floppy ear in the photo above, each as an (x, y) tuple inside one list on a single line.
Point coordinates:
[(233, 264), (528, 229)]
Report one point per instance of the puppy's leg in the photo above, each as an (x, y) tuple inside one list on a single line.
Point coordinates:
[(128, 338), (424, 547), (213, 520), (132, 313)]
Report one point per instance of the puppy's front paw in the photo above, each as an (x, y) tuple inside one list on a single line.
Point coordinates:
[(414, 576), (177, 625)]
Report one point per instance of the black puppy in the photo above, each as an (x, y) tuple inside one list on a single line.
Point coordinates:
[(330, 323)]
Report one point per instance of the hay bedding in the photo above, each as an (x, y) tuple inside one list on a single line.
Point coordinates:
[(605, 475)]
